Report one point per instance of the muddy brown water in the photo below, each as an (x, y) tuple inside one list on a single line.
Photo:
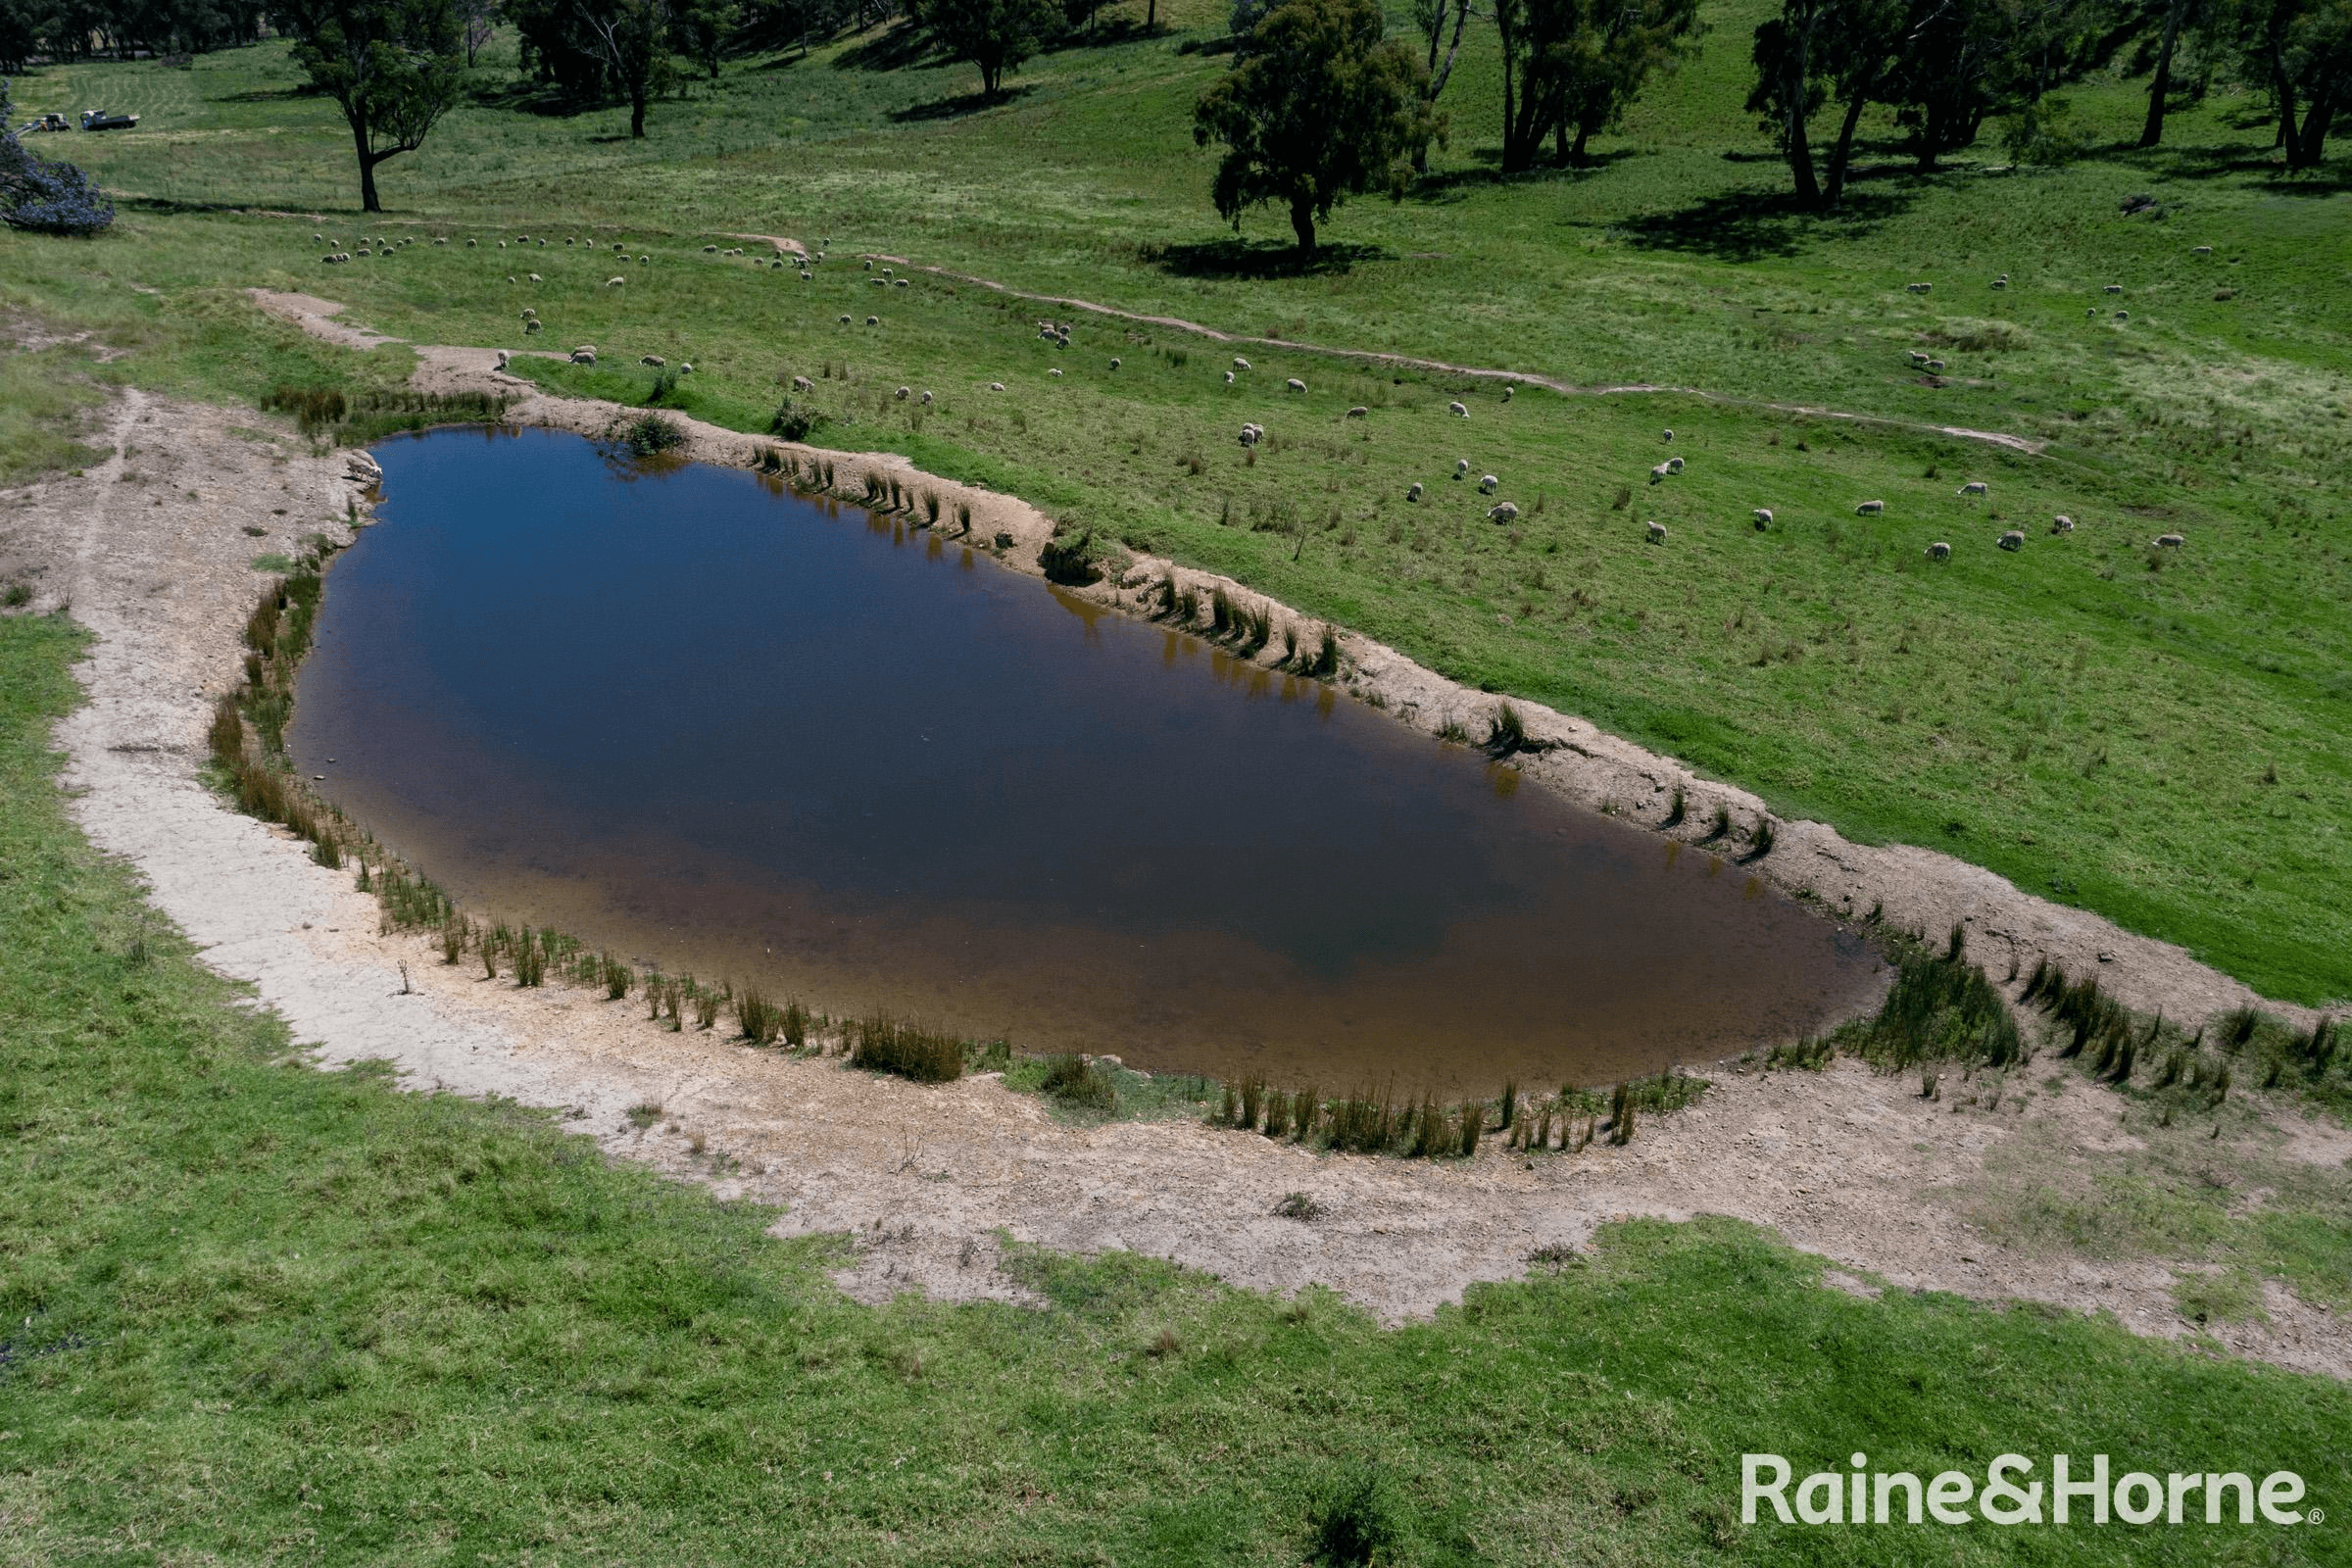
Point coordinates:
[(745, 734)]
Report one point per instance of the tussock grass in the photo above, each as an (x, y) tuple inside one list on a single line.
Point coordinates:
[(882, 1044)]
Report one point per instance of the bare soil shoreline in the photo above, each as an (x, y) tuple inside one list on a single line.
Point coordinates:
[(152, 550)]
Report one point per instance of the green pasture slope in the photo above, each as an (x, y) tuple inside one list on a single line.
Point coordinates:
[(255, 1314), (2158, 736)]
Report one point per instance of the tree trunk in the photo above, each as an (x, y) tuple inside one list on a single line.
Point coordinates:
[(1576, 148), (1302, 225), (1800, 152), (368, 163), (1438, 74), (637, 114), (1151, 17), (1844, 152), (2152, 133), (2313, 144)]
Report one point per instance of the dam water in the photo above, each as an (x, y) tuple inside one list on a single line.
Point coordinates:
[(760, 737)]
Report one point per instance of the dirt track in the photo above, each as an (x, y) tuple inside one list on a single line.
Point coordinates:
[(151, 551)]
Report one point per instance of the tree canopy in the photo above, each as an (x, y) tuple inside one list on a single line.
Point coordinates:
[(1318, 105), (394, 66), (993, 34)]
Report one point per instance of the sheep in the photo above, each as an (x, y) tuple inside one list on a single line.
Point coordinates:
[(1974, 487), (1658, 474), (1461, 468), (801, 383), (471, 243), (502, 357), (619, 249), (1116, 362), (318, 239), (873, 320), (584, 356), (870, 266), (530, 327), (1668, 437), (2122, 316), (644, 261), (903, 394), (881, 282), (2062, 523), (1487, 484), (898, 282), (1457, 409), (501, 244), (1055, 373), (2115, 288), (2170, 541), (710, 250), (1240, 363), (1295, 384), (1939, 551), (686, 367), (996, 386), (1919, 358), (2014, 539), (1251, 434), (654, 359), (439, 241), (2092, 313), (615, 282), (1229, 378), (1934, 367), (1358, 411), (2202, 250), (1414, 494), (1920, 288), (885, 271), (1763, 516), (1503, 512), (845, 320), (1658, 533), (1674, 465), (2001, 281), (509, 277), (1870, 509), (926, 400), (533, 276)]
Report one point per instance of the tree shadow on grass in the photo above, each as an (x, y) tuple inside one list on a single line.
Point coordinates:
[(1257, 260), (1454, 183), (1749, 225), (955, 108), (896, 48)]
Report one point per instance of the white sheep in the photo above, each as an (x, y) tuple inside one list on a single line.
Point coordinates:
[(502, 357), (801, 383), (1240, 363), (1674, 465), (1870, 509), (1763, 516), (845, 320), (318, 239), (903, 394), (654, 359), (1055, 373), (885, 271), (996, 386), (1658, 533), (1920, 288), (2062, 523), (1669, 437), (1934, 367), (710, 250), (1487, 484), (1414, 494), (1510, 390), (2012, 540), (873, 320), (440, 241), (528, 327), (644, 261), (1461, 468), (533, 276), (870, 266), (1116, 362), (584, 356), (926, 400), (1974, 487), (2115, 288), (2202, 250), (1939, 551), (1251, 434), (618, 248), (686, 367), (2122, 316), (1358, 411), (2170, 541), (1458, 410), (1295, 384), (1503, 512), (1918, 357), (615, 282), (1229, 378), (471, 243), (1658, 474)]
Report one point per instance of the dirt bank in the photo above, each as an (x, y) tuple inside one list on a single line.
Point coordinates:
[(152, 550)]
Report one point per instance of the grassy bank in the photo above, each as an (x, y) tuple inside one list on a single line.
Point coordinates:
[(259, 1313)]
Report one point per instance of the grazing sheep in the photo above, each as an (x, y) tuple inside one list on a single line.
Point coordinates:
[(533, 276), (1974, 487), (1919, 358), (2122, 316), (873, 320), (1358, 411), (2115, 288), (1457, 409), (1229, 378), (1674, 465), (1414, 494), (686, 367), (1295, 384), (1116, 362), (1487, 484), (502, 357), (903, 394), (845, 320), (501, 244), (2202, 250), (926, 400), (1934, 367), (1669, 437), (801, 383), (318, 239), (528, 327), (2092, 313), (2014, 539), (1658, 533), (710, 250), (1503, 512), (1658, 474), (1240, 363), (996, 386), (1461, 468), (471, 243), (2170, 541), (654, 359), (881, 282), (1763, 516), (1870, 509), (2001, 281), (1920, 288), (885, 271), (439, 241), (870, 266), (2062, 523), (615, 282), (1251, 434), (618, 248), (644, 261), (1055, 373), (584, 356), (1939, 551)]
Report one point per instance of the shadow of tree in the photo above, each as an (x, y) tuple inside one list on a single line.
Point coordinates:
[(893, 48), (969, 103), (1452, 181), (1236, 258), (1749, 225)]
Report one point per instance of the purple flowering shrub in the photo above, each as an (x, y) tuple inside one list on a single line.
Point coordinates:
[(44, 197)]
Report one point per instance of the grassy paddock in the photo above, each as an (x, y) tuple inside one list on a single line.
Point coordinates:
[(256, 1312)]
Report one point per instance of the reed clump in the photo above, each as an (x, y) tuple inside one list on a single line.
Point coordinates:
[(882, 1044), (1075, 1080)]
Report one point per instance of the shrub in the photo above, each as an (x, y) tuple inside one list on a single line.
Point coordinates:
[(1075, 1081), (1352, 1522), (648, 435), (41, 197), (1065, 561), (884, 1045)]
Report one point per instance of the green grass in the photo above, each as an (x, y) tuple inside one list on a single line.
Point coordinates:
[(255, 1313), (2163, 740)]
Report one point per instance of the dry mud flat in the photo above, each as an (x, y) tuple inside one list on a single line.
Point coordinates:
[(152, 550)]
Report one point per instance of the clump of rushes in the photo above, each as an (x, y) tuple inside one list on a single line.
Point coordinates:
[(1327, 656), (1304, 1107), (1220, 613), (931, 508), (530, 958), (489, 952), (1510, 1104), (1290, 642), (674, 999), (1277, 1122), (323, 851), (616, 976), (1430, 1134), (1721, 826), (1621, 1115), (1229, 1106), (1075, 1081), (1254, 1092), (760, 1020), (885, 1045), (1365, 1122), (796, 1024), (1188, 606), (706, 1007), (1675, 809), (226, 736), (1256, 628), (963, 516), (1474, 1123), (1506, 731)]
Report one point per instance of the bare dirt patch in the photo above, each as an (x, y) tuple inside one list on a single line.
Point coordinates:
[(153, 552)]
